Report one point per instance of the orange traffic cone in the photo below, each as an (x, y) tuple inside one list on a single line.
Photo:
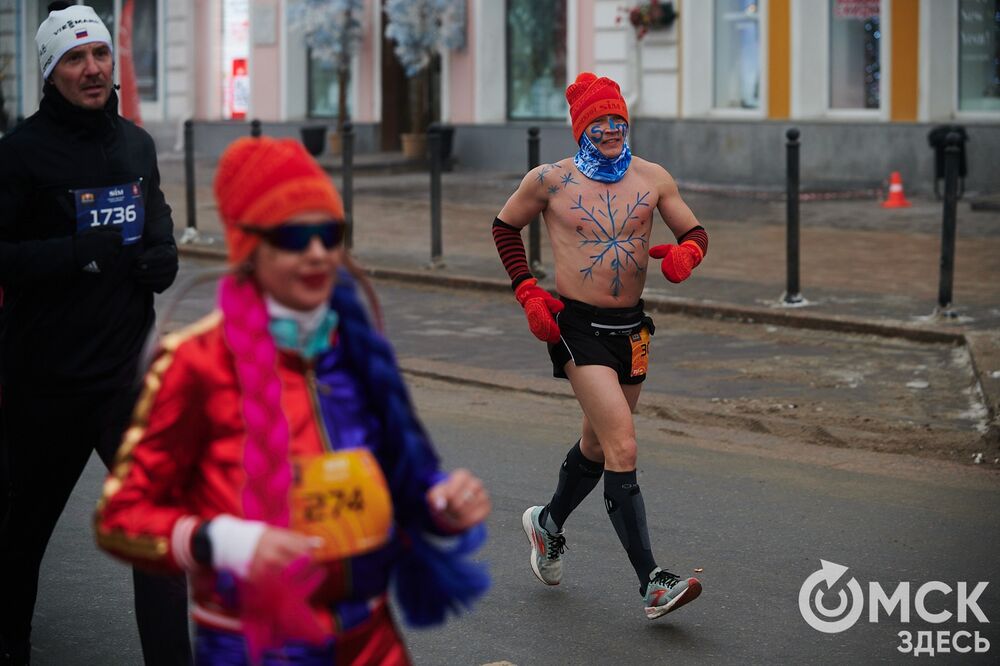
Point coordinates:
[(896, 198)]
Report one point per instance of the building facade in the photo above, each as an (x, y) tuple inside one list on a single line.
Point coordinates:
[(711, 93)]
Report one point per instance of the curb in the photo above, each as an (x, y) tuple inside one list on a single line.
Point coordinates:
[(708, 310), (705, 309)]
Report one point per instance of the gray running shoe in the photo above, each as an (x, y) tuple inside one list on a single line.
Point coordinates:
[(546, 548), (667, 592)]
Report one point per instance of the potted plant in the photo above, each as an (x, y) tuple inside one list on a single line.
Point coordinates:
[(422, 30), (332, 31), (650, 15)]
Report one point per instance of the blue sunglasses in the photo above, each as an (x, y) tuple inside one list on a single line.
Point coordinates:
[(297, 237)]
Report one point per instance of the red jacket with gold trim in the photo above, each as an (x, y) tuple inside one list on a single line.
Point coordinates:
[(181, 463)]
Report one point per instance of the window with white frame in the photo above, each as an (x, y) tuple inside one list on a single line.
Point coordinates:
[(737, 54), (324, 88), (536, 59), (979, 55), (855, 60), (145, 48)]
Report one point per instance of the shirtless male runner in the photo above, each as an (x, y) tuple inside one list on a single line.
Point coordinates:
[(598, 209)]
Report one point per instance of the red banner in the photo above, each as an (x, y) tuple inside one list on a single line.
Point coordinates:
[(129, 93), (239, 102), (855, 9)]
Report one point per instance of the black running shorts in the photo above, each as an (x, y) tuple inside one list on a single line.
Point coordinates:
[(618, 338)]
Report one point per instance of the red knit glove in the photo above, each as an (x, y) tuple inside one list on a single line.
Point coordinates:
[(678, 260), (539, 306)]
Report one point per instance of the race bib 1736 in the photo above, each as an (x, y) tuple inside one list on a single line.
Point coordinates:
[(118, 205)]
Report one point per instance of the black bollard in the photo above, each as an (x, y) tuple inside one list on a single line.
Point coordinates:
[(347, 179), (535, 226), (255, 130), (792, 295), (948, 224), (189, 182), (434, 148)]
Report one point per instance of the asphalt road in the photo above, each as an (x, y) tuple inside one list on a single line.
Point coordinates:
[(756, 519), (755, 509)]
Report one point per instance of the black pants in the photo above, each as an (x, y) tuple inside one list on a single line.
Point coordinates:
[(45, 443)]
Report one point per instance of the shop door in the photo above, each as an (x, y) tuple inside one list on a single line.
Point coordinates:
[(395, 95)]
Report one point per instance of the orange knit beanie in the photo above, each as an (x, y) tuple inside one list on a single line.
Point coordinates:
[(591, 97), (262, 182)]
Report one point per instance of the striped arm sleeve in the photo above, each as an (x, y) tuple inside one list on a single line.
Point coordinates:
[(698, 236), (511, 249)]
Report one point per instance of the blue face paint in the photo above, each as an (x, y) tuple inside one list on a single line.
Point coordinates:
[(597, 132), (594, 165)]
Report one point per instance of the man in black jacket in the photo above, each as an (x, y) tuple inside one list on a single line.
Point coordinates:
[(86, 239)]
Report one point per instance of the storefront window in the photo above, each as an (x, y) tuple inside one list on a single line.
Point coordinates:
[(855, 62), (104, 8), (737, 54), (536, 59), (979, 55), (324, 89), (235, 58), (145, 48)]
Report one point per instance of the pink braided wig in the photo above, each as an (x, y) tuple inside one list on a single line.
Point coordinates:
[(265, 454)]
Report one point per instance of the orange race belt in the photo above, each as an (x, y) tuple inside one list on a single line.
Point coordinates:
[(640, 352), (343, 498)]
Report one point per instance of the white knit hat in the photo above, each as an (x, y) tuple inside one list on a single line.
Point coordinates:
[(65, 29)]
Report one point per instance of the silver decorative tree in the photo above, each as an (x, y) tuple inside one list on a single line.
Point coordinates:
[(332, 30), (422, 30)]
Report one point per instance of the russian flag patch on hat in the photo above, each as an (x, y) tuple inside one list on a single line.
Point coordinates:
[(81, 34)]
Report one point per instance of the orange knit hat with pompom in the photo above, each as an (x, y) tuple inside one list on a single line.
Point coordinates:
[(591, 97), (262, 182)]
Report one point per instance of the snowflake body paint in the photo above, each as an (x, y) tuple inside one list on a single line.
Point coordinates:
[(605, 233)]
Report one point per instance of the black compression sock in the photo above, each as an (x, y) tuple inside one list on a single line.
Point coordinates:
[(627, 511), (577, 477)]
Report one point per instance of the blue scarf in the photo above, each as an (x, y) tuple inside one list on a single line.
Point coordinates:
[(596, 166)]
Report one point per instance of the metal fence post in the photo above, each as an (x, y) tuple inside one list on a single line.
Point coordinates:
[(191, 229), (255, 130), (347, 179), (948, 224), (792, 295), (535, 226), (434, 148)]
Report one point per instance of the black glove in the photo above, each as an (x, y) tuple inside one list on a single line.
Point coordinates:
[(156, 268), (94, 250)]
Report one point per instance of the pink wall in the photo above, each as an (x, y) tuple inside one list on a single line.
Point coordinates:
[(368, 76), (265, 75), (461, 79), (208, 83), (265, 70), (585, 36)]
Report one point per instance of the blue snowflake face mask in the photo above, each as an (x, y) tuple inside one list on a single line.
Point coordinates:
[(594, 165)]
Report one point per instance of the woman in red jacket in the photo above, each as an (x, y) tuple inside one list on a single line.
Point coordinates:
[(274, 454)]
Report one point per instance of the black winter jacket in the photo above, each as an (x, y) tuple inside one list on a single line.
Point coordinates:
[(63, 329)]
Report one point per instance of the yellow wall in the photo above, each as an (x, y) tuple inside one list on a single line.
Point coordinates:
[(778, 61), (905, 30)]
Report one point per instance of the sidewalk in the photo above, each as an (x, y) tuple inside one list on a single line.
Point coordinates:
[(864, 269)]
